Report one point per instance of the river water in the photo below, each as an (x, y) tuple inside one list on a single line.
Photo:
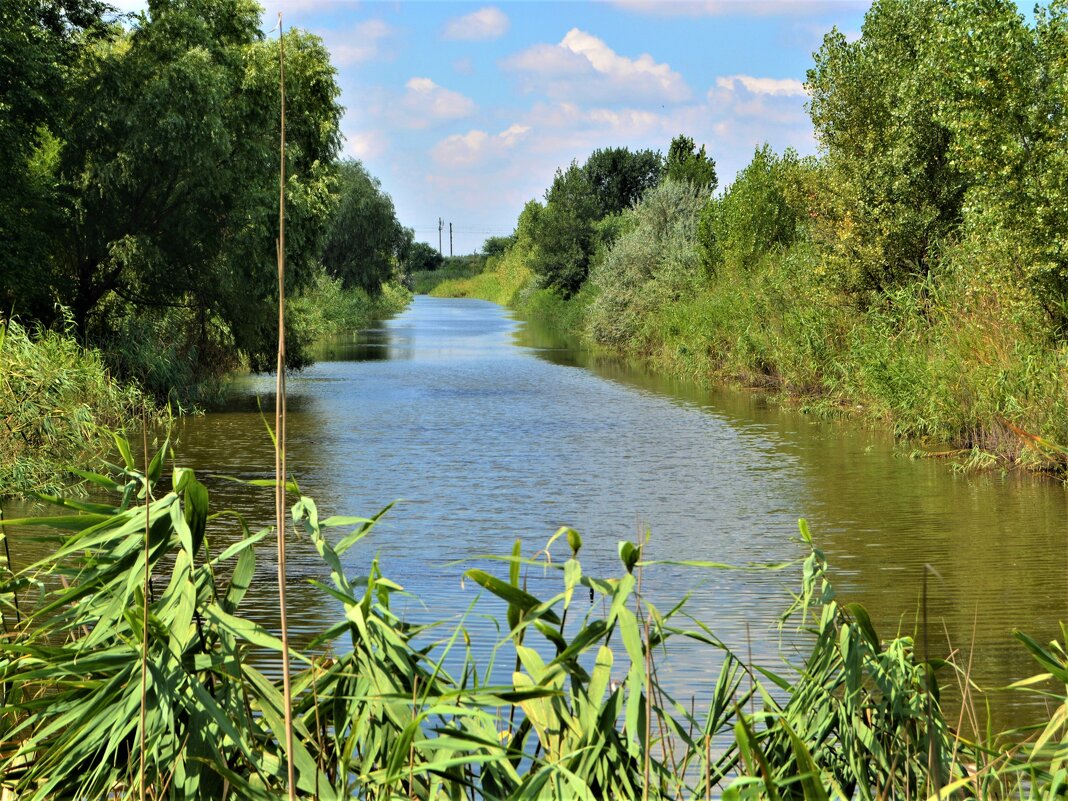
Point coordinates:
[(486, 431)]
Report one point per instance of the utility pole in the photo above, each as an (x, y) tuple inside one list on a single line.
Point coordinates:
[(450, 240), (441, 224)]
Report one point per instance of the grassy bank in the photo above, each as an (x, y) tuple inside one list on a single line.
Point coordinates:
[(59, 400), (952, 370), (326, 309), (58, 403)]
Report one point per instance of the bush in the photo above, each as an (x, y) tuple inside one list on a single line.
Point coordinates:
[(57, 403), (651, 264), (755, 214)]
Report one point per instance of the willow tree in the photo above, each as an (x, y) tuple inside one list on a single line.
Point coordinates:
[(164, 180)]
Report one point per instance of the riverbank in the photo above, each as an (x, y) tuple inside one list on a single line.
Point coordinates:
[(951, 373), (61, 401)]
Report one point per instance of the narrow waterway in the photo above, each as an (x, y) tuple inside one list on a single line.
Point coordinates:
[(486, 431)]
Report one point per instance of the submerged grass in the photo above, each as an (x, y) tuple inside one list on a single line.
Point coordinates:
[(383, 708)]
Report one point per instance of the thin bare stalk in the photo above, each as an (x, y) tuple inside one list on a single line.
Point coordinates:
[(144, 618), (280, 423), (648, 687)]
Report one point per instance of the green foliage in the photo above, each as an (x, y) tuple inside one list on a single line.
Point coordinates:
[(326, 309), (405, 710), (686, 163), (650, 265), (619, 177), (563, 231), (422, 257), (1003, 87), (891, 195), (40, 42), (452, 269), (755, 214), (153, 196), (57, 403), (365, 242), (497, 245), (500, 279)]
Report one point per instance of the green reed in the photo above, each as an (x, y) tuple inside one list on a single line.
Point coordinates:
[(386, 708)]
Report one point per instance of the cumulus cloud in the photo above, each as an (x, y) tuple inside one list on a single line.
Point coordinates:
[(475, 146), (480, 26), (583, 67), (425, 103), (735, 8), (366, 144), (778, 87), (362, 44)]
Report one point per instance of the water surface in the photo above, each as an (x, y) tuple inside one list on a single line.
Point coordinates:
[(488, 431)]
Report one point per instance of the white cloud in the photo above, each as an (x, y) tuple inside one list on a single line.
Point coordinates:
[(425, 103), (475, 146), (582, 66), (736, 8), (362, 44), (482, 25), (366, 144), (778, 87)]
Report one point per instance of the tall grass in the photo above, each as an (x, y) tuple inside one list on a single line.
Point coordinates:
[(325, 309), (499, 280), (57, 404)]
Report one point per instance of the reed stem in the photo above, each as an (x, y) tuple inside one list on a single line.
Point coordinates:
[(280, 423)]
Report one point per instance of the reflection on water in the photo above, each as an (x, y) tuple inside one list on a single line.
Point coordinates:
[(490, 432)]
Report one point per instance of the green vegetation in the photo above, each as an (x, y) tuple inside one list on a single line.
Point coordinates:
[(915, 271), (105, 698), (365, 243), (57, 403), (446, 269), (141, 189)]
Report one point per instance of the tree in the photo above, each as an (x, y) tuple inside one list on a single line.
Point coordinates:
[(755, 214), (1002, 91), (564, 231), (365, 241), (619, 177), (167, 180), (686, 163), (893, 194), (40, 41), (497, 245), (422, 257)]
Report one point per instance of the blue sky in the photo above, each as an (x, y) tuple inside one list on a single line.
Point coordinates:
[(465, 110)]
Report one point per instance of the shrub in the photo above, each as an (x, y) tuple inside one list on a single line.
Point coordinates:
[(651, 264), (57, 401)]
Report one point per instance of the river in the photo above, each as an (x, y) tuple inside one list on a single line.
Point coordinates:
[(485, 431)]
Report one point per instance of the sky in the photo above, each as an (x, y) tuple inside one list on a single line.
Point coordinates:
[(464, 111)]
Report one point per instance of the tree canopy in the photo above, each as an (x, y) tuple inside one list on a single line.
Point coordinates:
[(619, 177), (155, 175), (685, 162), (365, 242)]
